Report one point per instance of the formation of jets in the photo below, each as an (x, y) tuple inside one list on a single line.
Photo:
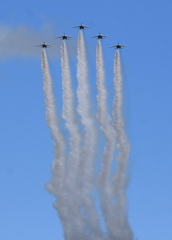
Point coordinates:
[(66, 37)]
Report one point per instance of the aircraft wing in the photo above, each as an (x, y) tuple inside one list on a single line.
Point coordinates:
[(123, 45), (95, 36), (113, 46), (104, 36), (86, 26), (49, 45), (39, 45), (68, 36), (76, 27), (59, 37)]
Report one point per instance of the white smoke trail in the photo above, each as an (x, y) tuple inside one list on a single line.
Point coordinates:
[(104, 119), (88, 153), (71, 181), (120, 226), (56, 184)]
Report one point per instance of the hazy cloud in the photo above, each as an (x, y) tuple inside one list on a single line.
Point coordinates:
[(21, 41)]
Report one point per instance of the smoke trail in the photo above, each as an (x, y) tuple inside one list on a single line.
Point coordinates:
[(88, 153), (55, 186), (120, 228), (109, 134), (71, 182)]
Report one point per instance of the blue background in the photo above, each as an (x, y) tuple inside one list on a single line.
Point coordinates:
[(26, 154)]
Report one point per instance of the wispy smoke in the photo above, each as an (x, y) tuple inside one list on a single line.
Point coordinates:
[(56, 184), (121, 229), (71, 181), (103, 117), (75, 181), (88, 151)]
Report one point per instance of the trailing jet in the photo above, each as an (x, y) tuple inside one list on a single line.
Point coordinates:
[(100, 36), (118, 46), (64, 37), (44, 45), (81, 26)]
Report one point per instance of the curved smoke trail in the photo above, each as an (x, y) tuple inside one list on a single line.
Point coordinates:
[(120, 226), (56, 184), (104, 182), (71, 181), (88, 152)]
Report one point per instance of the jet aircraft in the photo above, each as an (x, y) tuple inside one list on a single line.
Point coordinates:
[(64, 37), (118, 46), (44, 45), (100, 36), (81, 26)]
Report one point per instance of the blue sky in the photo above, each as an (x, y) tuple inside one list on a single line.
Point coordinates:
[(26, 210)]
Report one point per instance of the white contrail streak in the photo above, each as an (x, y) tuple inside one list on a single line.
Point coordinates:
[(120, 226), (71, 181), (104, 182), (56, 184), (88, 153)]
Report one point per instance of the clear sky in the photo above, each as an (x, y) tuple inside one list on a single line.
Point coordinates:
[(26, 154)]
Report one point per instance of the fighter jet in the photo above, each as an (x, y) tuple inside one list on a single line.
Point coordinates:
[(118, 46), (64, 37), (100, 36), (44, 45), (81, 26)]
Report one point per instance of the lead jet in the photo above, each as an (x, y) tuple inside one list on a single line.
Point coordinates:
[(81, 26), (100, 36), (44, 45), (118, 46), (64, 37)]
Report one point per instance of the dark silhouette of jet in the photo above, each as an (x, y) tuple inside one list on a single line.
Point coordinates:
[(44, 45), (81, 26), (118, 46), (100, 36), (64, 37)]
